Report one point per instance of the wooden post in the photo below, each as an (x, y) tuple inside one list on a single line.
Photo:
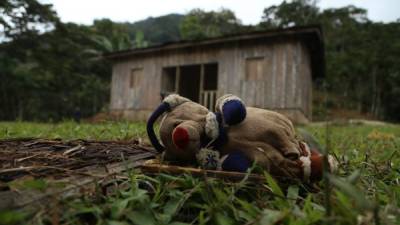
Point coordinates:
[(177, 78), (212, 100), (201, 84)]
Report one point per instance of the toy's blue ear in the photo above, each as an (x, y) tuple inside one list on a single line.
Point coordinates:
[(235, 161), (232, 109)]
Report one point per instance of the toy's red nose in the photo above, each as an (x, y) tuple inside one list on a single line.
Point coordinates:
[(180, 137)]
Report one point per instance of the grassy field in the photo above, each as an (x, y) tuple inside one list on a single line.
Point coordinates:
[(71, 130), (366, 189)]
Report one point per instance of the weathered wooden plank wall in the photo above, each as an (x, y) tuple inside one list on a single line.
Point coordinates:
[(285, 84)]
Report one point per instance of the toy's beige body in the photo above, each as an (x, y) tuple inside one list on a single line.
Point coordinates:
[(267, 138)]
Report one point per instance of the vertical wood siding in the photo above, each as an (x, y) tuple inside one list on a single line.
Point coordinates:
[(285, 84)]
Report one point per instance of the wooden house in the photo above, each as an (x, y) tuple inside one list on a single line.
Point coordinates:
[(269, 69)]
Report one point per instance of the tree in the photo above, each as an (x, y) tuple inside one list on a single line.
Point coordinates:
[(140, 42), (46, 77), (199, 24), (287, 14), (24, 17), (157, 30), (362, 69), (110, 36)]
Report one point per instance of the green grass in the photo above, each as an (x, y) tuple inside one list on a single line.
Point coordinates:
[(71, 130), (366, 189)]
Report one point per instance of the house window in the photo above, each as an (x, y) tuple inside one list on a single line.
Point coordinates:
[(136, 77), (169, 80), (254, 69)]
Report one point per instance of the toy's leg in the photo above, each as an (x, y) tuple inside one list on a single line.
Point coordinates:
[(264, 156), (235, 161), (277, 164), (285, 143)]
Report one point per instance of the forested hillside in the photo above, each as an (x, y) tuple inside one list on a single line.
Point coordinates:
[(157, 30), (50, 69)]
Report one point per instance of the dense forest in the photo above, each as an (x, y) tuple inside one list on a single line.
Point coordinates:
[(50, 69)]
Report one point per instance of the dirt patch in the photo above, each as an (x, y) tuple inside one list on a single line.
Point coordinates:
[(57, 159)]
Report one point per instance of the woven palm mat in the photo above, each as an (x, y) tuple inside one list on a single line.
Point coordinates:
[(58, 159)]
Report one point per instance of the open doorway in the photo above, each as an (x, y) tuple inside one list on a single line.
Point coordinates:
[(189, 81), (197, 82)]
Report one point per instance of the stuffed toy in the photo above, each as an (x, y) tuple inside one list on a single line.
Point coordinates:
[(233, 138)]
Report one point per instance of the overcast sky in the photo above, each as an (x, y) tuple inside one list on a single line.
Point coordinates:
[(249, 11)]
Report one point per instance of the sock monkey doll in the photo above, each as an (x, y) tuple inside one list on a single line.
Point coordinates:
[(233, 138)]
